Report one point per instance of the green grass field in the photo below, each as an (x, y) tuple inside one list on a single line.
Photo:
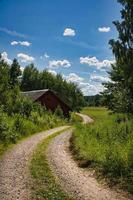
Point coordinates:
[(107, 146)]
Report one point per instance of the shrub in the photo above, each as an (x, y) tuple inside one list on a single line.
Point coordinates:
[(59, 112)]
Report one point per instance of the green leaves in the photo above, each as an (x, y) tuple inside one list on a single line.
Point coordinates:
[(119, 93)]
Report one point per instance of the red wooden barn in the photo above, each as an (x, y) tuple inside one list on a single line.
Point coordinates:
[(48, 99)]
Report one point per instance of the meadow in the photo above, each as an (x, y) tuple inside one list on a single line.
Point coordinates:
[(106, 146)]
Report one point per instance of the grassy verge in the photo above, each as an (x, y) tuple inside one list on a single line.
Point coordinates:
[(14, 129), (44, 184), (75, 119), (106, 146)]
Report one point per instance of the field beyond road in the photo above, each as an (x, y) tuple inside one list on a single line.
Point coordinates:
[(106, 146)]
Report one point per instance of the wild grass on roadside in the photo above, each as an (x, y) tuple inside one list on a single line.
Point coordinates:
[(16, 127), (44, 185), (107, 146), (75, 118)]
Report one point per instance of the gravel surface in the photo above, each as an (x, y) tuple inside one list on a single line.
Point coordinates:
[(14, 167), (78, 182), (86, 119)]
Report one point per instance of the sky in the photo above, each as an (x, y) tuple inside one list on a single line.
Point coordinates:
[(69, 37)]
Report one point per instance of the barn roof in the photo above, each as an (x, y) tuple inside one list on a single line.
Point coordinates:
[(35, 94)]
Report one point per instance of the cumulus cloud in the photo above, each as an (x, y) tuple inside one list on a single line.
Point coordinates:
[(69, 32), (25, 58), (86, 87), (12, 33), (98, 78), (104, 29), (72, 77), (59, 63), (93, 61), (4, 57), (22, 69), (92, 89), (52, 72), (22, 43)]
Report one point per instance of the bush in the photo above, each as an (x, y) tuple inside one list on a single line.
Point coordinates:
[(59, 112), (7, 131)]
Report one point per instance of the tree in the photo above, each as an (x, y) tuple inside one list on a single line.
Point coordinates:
[(15, 72), (4, 82), (119, 92), (30, 78)]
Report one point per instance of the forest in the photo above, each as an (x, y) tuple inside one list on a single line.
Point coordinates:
[(19, 116)]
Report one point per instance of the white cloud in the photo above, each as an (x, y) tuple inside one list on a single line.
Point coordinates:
[(86, 87), (104, 29), (72, 77), (69, 32), (59, 63), (45, 56), (22, 69), (25, 58), (22, 43), (14, 43), (98, 78), (93, 61), (4, 57), (92, 89), (12, 33), (52, 72)]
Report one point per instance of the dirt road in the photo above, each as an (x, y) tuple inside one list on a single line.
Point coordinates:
[(14, 167), (78, 182)]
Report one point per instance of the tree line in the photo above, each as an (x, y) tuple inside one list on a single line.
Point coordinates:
[(33, 79), (12, 81), (118, 95)]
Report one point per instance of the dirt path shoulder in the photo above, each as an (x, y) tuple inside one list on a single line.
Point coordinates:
[(78, 182), (14, 167)]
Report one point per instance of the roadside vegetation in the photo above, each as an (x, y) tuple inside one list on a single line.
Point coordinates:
[(16, 127), (44, 185), (107, 146), (19, 116)]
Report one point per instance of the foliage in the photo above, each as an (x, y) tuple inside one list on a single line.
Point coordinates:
[(32, 79), (93, 100), (59, 112), (19, 116), (119, 92), (75, 118), (107, 145), (15, 72)]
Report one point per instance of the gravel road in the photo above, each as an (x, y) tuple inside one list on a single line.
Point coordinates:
[(14, 167), (78, 182), (86, 119)]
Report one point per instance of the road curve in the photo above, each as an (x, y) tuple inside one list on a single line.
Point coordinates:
[(78, 182), (14, 167), (86, 119)]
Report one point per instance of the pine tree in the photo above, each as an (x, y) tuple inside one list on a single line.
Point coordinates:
[(15, 72), (119, 93)]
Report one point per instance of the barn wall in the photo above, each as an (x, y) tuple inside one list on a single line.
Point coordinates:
[(52, 102)]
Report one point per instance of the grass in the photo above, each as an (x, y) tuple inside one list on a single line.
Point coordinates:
[(44, 183), (107, 146), (75, 118), (16, 128)]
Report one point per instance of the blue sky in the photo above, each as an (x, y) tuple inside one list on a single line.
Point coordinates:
[(65, 36)]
